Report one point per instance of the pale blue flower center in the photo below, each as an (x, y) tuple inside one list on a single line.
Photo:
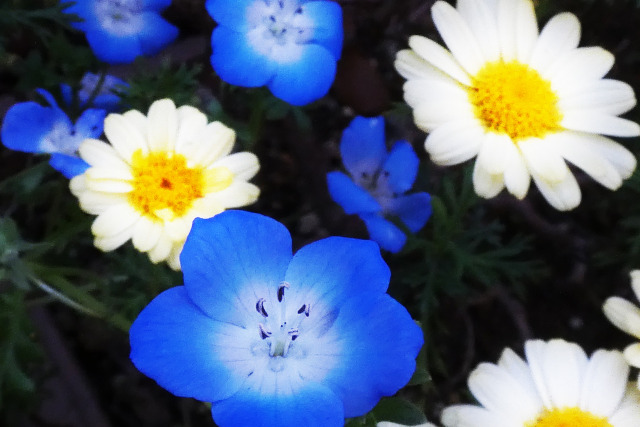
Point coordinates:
[(62, 139), (120, 17), (377, 184)]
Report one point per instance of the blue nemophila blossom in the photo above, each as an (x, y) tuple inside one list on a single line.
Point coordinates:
[(378, 182), (272, 338), (105, 96), (118, 31), (291, 46), (33, 128)]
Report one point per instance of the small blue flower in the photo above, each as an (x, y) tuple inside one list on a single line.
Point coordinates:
[(33, 128), (291, 46), (378, 182), (118, 31), (275, 339), (105, 98)]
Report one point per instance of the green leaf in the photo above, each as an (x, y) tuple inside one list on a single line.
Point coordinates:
[(400, 411)]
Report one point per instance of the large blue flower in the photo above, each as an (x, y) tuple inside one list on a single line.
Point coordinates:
[(104, 97), (291, 46), (33, 128), (378, 182), (275, 339), (120, 30)]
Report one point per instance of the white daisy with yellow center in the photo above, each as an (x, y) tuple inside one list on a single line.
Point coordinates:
[(626, 316), (523, 102), (159, 173), (558, 386)]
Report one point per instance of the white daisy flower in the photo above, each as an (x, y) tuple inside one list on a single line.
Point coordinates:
[(523, 102), (558, 386), (626, 316), (158, 174), (390, 424)]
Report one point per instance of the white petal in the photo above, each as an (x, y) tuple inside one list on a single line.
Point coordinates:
[(628, 414), (485, 184), (139, 121), (178, 229), (543, 160), (457, 36), (99, 172), (623, 314), (162, 125), (564, 195), (124, 136), (211, 143), (95, 203), (572, 148), (494, 154), (610, 97), (482, 24), (454, 142), (593, 122), (114, 220), (520, 371), (98, 153), (146, 234), (635, 282), (439, 57), (162, 249), (112, 242), (516, 175), (632, 355), (174, 257), (411, 66), (507, 28), (618, 156), (604, 383), (578, 66), (471, 416), (242, 165), (191, 122), (527, 30), (559, 36), (237, 195), (436, 103), (109, 186)]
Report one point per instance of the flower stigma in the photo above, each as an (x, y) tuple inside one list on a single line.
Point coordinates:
[(164, 187), (512, 98), (568, 417)]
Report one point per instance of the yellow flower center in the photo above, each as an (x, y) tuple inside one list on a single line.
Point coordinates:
[(512, 98), (568, 417), (164, 187)]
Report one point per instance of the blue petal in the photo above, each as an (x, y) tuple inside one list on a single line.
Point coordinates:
[(90, 123), (113, 49), (306, 79), (231, 14), (176, 344), (380, 342), (402, 166), (26, 124), (48, 97), (384, 232), (329, 271), (236, 62), (155, 34), (312, 405), (85, 9), (327, 19), (362, 146), (347, 194), (414, 210), (107, 101), (231, 260), (69, 166), (155, 5), (67, 93)]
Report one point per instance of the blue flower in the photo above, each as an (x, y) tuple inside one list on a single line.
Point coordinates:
[(118, 31), (291, 46), (105, 98), (33, 128), (275, 339), (378, 183)]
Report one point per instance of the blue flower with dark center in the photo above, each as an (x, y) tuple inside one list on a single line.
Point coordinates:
[(291, 46), (33, 128), (272, 338), (104, 97), (378, 182), (120, 30)]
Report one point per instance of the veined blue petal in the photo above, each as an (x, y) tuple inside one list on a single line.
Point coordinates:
[(362, 146), (231, 260), (69, 166), (377, 357), (113, 49), (155, 34), (310, 405), (384, 232), (327, 272), (155, 5), (90, 123), (306, 79), (27, 124), (232, 14), (402, 166), (176, 344), (414, 210), (347, 194), (236, 62), (327, 24)]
